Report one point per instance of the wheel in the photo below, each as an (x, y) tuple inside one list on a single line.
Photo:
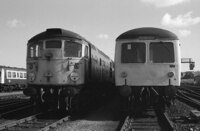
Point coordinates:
[(75, 106), (161, 104)]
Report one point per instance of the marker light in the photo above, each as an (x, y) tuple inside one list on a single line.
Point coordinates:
[(170, 74), (123, 74)]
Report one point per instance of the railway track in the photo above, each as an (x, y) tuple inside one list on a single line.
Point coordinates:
[(5, 94), (14, 106), (191, 88), (37, 122), (188, 99), (189, 95), (149, 120), (6, 105)]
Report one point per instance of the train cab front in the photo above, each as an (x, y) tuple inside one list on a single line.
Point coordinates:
[(56, 70)]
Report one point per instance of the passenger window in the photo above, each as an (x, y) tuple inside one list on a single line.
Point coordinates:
[(14, 74), (17, 74), (24, 75), (21, 75), (9, 74), (133, 52), (161, 52)]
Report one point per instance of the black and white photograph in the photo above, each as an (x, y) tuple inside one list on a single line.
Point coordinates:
[(99, 65)]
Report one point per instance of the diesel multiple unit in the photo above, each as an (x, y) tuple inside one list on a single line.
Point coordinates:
[(12, 78), (147, 66)]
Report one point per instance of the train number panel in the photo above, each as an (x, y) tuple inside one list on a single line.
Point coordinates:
[(147, 65)]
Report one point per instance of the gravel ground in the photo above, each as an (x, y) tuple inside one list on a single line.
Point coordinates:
[(84, 125), (13, 95), (108, 118), (180, 115), (105, 119)]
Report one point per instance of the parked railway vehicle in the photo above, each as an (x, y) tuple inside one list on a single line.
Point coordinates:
[(196, 80), (65, 71), (12, 78), (147, 66)]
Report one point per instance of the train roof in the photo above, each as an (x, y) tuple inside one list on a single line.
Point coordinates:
[(58, 32), (8, 67), (55, 32), (156, 33)]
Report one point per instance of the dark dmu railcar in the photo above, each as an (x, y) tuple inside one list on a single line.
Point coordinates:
[(65, 70)]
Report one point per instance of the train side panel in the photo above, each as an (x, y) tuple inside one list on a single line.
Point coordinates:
[(12, 78), (101, 67)]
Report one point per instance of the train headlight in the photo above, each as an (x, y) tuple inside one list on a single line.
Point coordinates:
[(74, 76), (31, 76), (170, 74), (123, 74)]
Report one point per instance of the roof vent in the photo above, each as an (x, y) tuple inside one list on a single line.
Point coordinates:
[(54, 31)]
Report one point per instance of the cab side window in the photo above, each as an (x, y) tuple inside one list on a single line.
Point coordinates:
[(86, 52), (35, 49)]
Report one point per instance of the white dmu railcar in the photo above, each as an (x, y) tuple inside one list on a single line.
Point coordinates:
[(147, 66)]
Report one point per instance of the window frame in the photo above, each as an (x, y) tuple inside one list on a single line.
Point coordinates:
[(78, 43), (9, 74), (14, 74), (25, 75), (144, 57), (86, 49), (60, 47), (160, 42), (34, 50)]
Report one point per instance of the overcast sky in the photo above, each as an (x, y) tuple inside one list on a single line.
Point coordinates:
[(99, 21)]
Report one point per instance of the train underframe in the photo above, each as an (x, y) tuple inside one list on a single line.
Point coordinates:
[(53, 98), (132, 97), (65, 99), (11, 87)]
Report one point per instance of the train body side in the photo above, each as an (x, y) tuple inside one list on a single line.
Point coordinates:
[(12, 78)]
